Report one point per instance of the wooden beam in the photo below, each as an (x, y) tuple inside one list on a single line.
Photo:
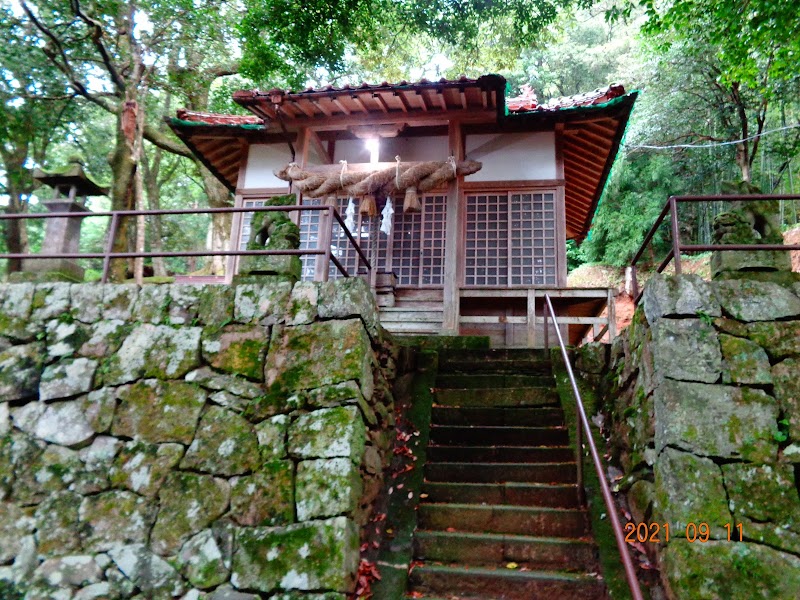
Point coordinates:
[(463, 94), (401, 95), (423, 103), (600, 140), (589, 144), (316, 143), (581, 160), (321, 108), (309, 113), (359, 104), (341, 106), (381, 102), (559, 135), (420, 119), (303, 144), (442, 100)]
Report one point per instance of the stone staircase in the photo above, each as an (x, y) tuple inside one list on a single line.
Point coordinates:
[(501, 487)]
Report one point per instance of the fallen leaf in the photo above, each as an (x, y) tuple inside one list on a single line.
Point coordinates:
[(423, 496), (512, 565)]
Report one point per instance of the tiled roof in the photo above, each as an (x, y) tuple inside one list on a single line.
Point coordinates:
[(528, 102), (217, 119)]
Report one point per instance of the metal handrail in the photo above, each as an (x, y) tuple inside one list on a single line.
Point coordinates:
[(581, 428), (671, 207), (116, 216)]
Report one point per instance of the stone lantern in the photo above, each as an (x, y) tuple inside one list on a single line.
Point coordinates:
[(63, 234)]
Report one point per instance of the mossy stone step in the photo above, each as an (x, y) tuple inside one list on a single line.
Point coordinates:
[(462, 435), (471, 472), (511, 416), (511, 493), (501, 454), (480, 582), (492, 381), (521, 520), (544, 553), (540, 368), (502, 397)]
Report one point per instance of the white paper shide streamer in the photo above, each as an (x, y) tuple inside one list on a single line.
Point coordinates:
[(386, 214), (349, 216)]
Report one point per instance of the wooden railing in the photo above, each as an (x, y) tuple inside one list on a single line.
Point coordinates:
[(671, 208), (535, 300), (323, 250)]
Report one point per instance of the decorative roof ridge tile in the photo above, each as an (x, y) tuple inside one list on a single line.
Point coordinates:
[(217, 118), (527, 101)]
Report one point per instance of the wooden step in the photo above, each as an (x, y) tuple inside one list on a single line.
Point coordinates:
[(495, 361), (497, 417), (514, 493), (545, 553), (470, 472), (401, 315), (462, 380), (503, 584), (503, 397), (465, 435), (494, 518), (501, 454), (413, 328)]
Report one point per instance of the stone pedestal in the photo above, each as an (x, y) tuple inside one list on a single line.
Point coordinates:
[(62, 235)]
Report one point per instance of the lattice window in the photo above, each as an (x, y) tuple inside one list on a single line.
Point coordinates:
[(418, 244), (511, 240), (486, 252)]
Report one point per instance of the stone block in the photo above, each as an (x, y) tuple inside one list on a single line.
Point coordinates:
[(347, 298), (182, 306), (155, 411), (265, 304), (237, 349), (50, 301), (272, 437), (154, 576), (327, 487), (266, 497), (62, 423), (64, 338), (69, 377), (113, 518), (678, 296), (188, 504), (14, 525), (151, 305), (154, 351), (302, 307), (689, 489), (328, 433), (104, 339), (319, 354), (723, 569), (225, 444), (756, 301), (203, 562), (716, 420), (37, 476), (592, 358), (142, 468), (780, 339), (215, 304), (58, 529), (744, 362), (118, 300), (98, 408), (786, 377), (687, 349), (231, 384), (764, 499), (75, 570), (20, 371), (320, 555), (86, 300)]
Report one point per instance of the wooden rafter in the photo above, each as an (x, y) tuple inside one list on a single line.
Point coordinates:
[(341, 106), (321, 108), (381, 102), (357, 101), (403, 102), (422, 102)]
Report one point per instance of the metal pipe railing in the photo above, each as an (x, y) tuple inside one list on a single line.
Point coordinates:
[(582, 427), (323, 243), (671, 208)]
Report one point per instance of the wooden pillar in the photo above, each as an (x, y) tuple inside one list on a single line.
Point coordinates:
[(561, 211), (454, 242)]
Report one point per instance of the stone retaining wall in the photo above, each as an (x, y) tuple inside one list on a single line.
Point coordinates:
[(189, 441), (703, 406)]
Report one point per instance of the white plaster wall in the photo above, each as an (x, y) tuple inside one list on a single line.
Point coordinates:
[(262, 160), (414, 148), (513, 156), (409, 149)]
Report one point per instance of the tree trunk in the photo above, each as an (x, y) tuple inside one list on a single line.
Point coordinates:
[(19, 185), (218, 197), (122, 197), (151, 171)]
